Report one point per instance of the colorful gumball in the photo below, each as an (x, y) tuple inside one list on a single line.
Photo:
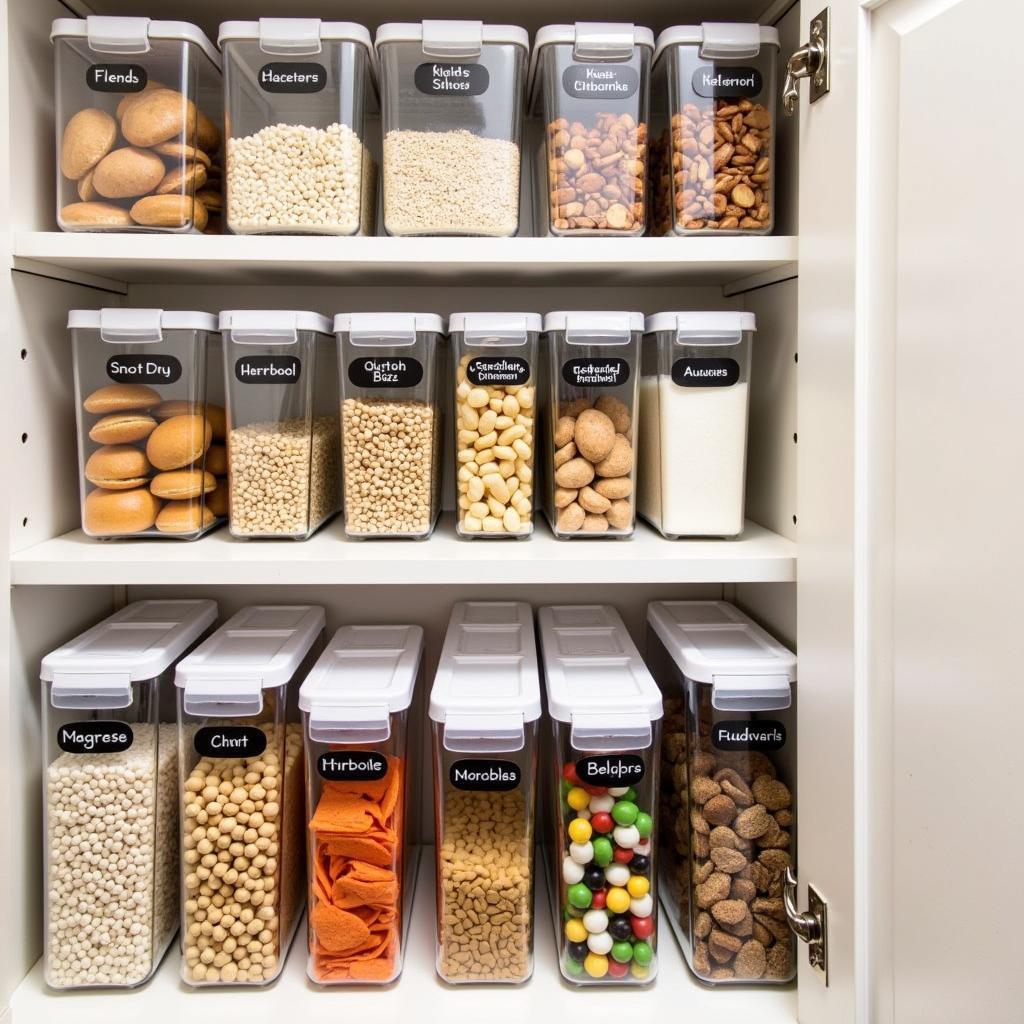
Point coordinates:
[(577, 798), (626, 836), (578, 950), (618, 900), (644, 825), (621, 928), (617, 874), (595, 921), (582, 853), (624, 812), (600, 899), (569, 774), (571, 871), (640, 864), (603, 851), (623, 856), (642, 907), (617, 791), (600, 943), (573, 967), (617, 970), (580, 896), (593, 877), (602, 803), (642, 927), (622, 952), (575, 930), (639, 972), (601, 821), (642, 953), (580, 830), (638, 886), (596, 965)]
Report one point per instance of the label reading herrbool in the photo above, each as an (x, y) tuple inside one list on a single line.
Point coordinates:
[(611, 769), (600, 81), (94, 737), (385, 372), (268, 369), (289, 76), (132, 369), (760, 734), (116, 77), (497, 371), (705, 372), (598, 372), (485, 775), (351, 766), (229, 741), (444, 79), (722, 81)]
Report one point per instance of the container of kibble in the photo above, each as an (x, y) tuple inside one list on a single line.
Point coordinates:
[(590, 82), (297, 93), (484, 711), (110, 811), (390, 422), (694, 398), (284, 441), (361, 864), (713, 119), (495, 360), (151, 434), (728, 800), (605, 712), (593, 362), (138, 114), (452, 99), (240, 788)]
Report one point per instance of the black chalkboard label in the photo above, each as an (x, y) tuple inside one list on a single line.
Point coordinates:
[(611, 769), (351, 765), (600, 81), (705, 372), (485, 775), (497, 371), (289, 76), (385, 372), (599, 372), (116, 77), (268, 369), (446, 79), (721, 81), (230, 741), (94, 737), (132, 369), (762, 734)]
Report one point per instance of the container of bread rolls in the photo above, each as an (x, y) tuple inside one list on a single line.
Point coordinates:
[(151, 431)]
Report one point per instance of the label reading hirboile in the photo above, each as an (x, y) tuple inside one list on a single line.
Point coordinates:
[(497, 371), (701, 372), (132, 369), (94, 737), (600, 81), (288, 76), (762, 734), (116, 77), (485, 775), (720, 81), (611, 769), (385, 372), (351, 766), (599, 372), (229, 741), (444, 79), (268, 369)]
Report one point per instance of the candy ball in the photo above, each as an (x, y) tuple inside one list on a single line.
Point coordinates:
[(582, 853), (639, 971), (617, 970), (638, 886), (594, 790), (593, 877), (603, 803), (571, 871), (626, 836), (596, 965), (622, 952), (618, 900), (601, 821), (630, 795), (618, 791), (577, 798), (579, 896), (643, 848), (583, 815), (642, 927), (575, 930), (603, 851), (642, 953), (640, 864), (600, 943), (642, 907), (621, 928), (565, 787), (569, 774), (580, 830), (573, 967), (624, 812), (623, 856), (600, 899), (595, 921), (617, 874), (644, 825)]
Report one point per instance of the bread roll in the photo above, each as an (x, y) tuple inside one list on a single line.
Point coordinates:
[(122, 428), (121, 398), (181, 484), (184, 517), (118, 467), (178, 442), (110, 513)]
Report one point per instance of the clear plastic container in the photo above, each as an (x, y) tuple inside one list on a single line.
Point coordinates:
[(728, 799), (605, 712), (284, 439), (298, 94), (694, 398), (591, 82), (495, 360), (452, 119), (151, 453), (484, 711), (593, 362), (138, 114), (240, 765), (361, 859), (390, 366), (713, 118), (110, 768)]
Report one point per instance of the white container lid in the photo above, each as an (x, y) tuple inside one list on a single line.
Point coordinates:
[(259, 648), (274, 326), (122, 326), (366, 675), (294, 35), (596, 323), (130, 35), (714, 642), (595, 679), (391, 326), (701, 322), (503, 326), (728, 40), (454, 39), (486, 686), (135, 644)]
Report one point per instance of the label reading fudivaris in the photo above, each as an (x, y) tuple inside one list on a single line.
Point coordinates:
[(448, 79), (116, 77), (230, 741), (497, 371), (721, 81), (351, 766), (289, 76), (268, 369), (611, 769), (94, 737), (600, 81), (485, 775), (599, 372), (385, 372), (705, 372), (132, 369), (760, 734)]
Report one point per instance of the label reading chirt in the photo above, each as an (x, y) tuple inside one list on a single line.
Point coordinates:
[(485, 775), (611, 769), (131, 369), (94, 737), (268, 369), (762, 734), (286, 76), (351, 766), (721, 81), (600, 81), (116, 77), (599, 372), (440, 79), (497, 371), (230, 741), (709, 372), (385, 372)]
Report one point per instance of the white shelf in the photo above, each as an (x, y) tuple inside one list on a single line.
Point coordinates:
[(418, 995), (234, 259), (758, 556)]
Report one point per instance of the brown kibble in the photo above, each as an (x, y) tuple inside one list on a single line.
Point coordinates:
[(775, 860), (722, 946), (722, 973), (714, 889), (729, 911), (740, 794), (722, 835), (595, 436), (770, 905), (703, 924), (564, 430), (564, 497), (751, 960), (729, 861), (779, 961), (720, 810), (778, 928), (619, 461), (697, 822), (762, 934), (742, 889), (574, 473), (753, 822), (593, 502), (701, 959), (771, 792), (702, 789)]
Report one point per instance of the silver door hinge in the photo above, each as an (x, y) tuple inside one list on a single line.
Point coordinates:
[(810, 61), (810, 927)]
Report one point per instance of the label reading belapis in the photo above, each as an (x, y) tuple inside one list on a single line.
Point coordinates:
[(116, 77), (268, 369), (497, 371), (748, 734), (229, 741), (385, 372), (600, 81), (720, 81), (478, 775), (289, 76), (701, 372), (351, 766), (599, 372), (95, 737), (611, 769), (132, 369), (439, 79)]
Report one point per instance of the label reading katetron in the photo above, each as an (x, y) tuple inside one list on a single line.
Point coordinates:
[(611, 769), (94, 737), (485, 775)]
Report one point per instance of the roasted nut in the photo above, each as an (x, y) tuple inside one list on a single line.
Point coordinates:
[(619, 461), (595, 436)]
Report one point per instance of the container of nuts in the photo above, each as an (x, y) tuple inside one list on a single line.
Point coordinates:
[(713, 118), (590, 81), (593, 362), (241, 792), (138, 112), (495, 359), (284, 442), (298, 94), (605, 711), (728, 803), (484, 709), (390, 422)]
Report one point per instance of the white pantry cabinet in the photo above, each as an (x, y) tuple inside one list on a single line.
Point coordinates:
[(884, 498)]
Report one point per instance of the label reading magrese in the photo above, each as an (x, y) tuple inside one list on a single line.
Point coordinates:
[(287, 76), (759, 734), (717, 81), (438, 79), (600, 81), (598, 372), (230, 741), (116, 77), (385, 372), (351, 765), (497, 371), (268, 369), (94, 737), (132, 369), (485, 775), (707, 372), (611, 769)]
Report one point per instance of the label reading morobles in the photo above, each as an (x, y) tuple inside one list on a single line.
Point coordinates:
[(485, 775), (443, 79), (131, 369), (116, 77), (385, 372), (351, 766), (230, 741), (497, 371), (707, 372), (598, 372), (287, 76), (600, 82), (268, 369), (94, 737), (611, 769)]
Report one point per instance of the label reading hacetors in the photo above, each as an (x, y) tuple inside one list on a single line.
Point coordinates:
[(94, 737), (351, 766), (131, 369), (600, 81), (485, 775), (438, 79), (385, 372), (705, 372), (763, 734), (497, 371), (268, 369), (599, 372), (116, 77), (719, 81), (611, 769), (286, 76), (230, 741)]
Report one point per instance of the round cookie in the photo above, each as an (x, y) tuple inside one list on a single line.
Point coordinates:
[(121, 398), (109, 513)]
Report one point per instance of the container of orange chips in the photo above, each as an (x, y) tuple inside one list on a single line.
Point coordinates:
[(355, 707)]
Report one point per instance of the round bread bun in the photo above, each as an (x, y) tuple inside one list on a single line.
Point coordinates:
[(174, 407), (122, 428), (215, 414), (216, 461), (121, 398), (218, 420), (181, 484), (184, 517), (217, 501), (178, 442), (118, 467), (111, 513)]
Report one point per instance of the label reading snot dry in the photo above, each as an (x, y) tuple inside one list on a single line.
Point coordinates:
[(268, 369), (385, 372), (760, 734), (116, 77), (230, 741), (599, 372), (497, 371), (351, 766), (705, 372), (290, 76), (600, 81), (485, 775), (721, 81), (94, 737), (449, 79), (132, 369), (611, 769)]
